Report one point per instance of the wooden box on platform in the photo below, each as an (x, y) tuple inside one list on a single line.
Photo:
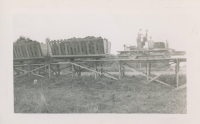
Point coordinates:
[(79, 47), (29, 50)]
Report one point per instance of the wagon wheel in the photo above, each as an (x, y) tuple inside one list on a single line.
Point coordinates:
[(132, 55), (167, 54)]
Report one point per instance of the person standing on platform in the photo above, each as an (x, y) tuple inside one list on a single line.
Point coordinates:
[(150, 44), (166, 44), (139, 39), (140, 32), (145, 38)]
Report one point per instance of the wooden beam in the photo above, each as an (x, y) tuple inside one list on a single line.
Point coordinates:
[(181, 87), (142, 60), (20, 65), (37, 64), (64, 68), (37, 75), (159, 75), (135, 69), (21, 70), (146, 76), (79, 56), (38, 68), (94, 71), (32, 58), (20, 75)]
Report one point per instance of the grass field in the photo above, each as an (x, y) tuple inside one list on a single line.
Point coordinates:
[(87, 95)]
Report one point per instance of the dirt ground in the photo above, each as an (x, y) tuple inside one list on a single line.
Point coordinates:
[(86, 95)]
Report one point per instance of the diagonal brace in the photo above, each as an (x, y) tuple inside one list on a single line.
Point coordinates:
[(94, 71), (146, 75), (159, 75)]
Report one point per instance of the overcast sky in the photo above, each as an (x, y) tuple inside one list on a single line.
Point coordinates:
[(117, 21)]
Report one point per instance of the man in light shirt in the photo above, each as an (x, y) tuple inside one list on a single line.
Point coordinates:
[(139, 39), (166, 44), (140, 32), (145, 38), (150, 44)]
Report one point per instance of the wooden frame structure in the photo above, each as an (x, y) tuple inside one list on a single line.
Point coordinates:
[(29, 69), (76, 67), (79, 48), (123, 63), (27, 51)]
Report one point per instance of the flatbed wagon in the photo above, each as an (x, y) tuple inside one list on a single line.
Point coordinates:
[(156, 53)]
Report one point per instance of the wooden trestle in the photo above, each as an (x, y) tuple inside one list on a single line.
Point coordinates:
[(76, 67)]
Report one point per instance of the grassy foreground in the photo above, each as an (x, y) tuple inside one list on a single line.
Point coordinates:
[(87, 95)]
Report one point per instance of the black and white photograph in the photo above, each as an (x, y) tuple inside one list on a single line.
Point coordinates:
[(100, 57)]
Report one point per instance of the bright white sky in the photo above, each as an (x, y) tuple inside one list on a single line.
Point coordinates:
[(117, 21)]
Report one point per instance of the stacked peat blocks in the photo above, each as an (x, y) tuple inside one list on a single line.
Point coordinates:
[(25, 48), (80, 46)]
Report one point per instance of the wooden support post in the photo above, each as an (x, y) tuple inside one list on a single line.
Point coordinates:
[(177, 72), (120, 71), (32, 67), (49, 70), (101, 70), (29, 69), (147, 68), (79, 71), (95, 67), (123, 70), (39, 72), (73, 73), (58, 67), (23, 69)]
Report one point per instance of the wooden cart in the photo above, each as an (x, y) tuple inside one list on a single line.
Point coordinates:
[(156, 53)]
